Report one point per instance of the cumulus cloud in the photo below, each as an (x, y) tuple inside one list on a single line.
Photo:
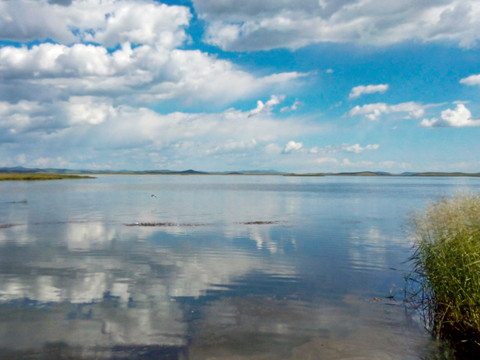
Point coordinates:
[(144, 73), (471, 80), (105, 22), (26, 117), (358, 91), (88, 110), (458, 117), (292, 146), (115, 48), (268, 106), (375, 111), (86, 92), (254, 25)]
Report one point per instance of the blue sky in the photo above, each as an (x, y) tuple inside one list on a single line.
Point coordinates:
[(214, 85)]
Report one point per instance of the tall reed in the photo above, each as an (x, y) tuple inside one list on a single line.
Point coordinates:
[(446, 269)]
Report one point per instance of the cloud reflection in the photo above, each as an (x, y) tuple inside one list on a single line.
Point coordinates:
[(108, 285), (372, 249)]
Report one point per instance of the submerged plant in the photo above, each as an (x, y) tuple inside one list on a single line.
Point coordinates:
[(445, 282)]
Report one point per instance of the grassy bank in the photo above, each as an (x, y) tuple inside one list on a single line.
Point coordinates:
[(446, 275), (39, 176)]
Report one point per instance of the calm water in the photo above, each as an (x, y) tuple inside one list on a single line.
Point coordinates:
[(236, 267)]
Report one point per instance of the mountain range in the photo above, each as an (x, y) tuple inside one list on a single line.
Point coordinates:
[(20, 169)]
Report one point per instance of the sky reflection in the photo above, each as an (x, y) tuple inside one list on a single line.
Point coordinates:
[(270, 269)]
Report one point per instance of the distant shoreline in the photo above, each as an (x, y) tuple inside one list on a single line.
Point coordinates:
[(39, 176), (20, 173)]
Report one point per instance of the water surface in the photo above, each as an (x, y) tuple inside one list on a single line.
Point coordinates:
[(211, 267)]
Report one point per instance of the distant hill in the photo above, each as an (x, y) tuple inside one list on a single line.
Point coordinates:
[(20, 170), (192, 172)]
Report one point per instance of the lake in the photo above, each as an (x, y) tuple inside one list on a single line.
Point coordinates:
[(211, 267)]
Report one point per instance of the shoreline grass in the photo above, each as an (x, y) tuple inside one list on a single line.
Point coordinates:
[(445, 282), (39, 176)]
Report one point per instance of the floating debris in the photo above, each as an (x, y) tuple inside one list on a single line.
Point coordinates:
[(18, 202), (259, 222), (6, 226)]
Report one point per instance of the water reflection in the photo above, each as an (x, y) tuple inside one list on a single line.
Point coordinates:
[(369, 250), (100, 285), (274, 268)]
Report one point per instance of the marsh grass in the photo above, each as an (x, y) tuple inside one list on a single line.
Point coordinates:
[(39, 176), (445, 282)]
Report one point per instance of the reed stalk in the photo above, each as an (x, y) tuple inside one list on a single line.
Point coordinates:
[(445, 282)]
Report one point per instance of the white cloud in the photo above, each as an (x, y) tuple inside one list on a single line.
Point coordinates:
[(105, 22), (24, 116), (87, 129), (332, 149), (115, 48), (85, 93), (268, 106), (375, 111), (292, 146), (471, 80), (23, 106), (230, 146), (358, 91), (293, 107), (145, 74), (254, 25), (458, 117), (357, 149), (88, 110), (67, 92)]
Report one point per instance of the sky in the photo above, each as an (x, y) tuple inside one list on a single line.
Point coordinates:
[(223, 85)]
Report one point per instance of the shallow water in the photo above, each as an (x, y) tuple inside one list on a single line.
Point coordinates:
[(211, 267)]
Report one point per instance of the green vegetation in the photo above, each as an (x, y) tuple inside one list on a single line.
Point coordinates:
[(39, 176), (446, 275)]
